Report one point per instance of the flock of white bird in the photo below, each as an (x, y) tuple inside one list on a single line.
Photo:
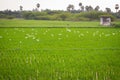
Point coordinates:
[(46, 32)]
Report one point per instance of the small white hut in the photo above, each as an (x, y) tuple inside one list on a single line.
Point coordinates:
[(105, 20)]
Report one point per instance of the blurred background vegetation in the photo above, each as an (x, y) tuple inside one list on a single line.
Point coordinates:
[(85, 13)]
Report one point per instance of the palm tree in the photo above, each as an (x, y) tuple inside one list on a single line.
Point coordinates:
[(90, 8), (21, 8), (38, 5), (116, 7), (87, 8), (70, 7), (80, 4), (119, 11), (97, 8), (108, 10), (82, 8)]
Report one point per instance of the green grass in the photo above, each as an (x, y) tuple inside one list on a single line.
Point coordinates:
[(40, 23), (58, 53)]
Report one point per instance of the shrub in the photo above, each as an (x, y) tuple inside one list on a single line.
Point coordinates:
[(93, 15), (42, 18), (63, 16), (83, 19), (10, 17), (108, 15), (28, 15), (115, 25)]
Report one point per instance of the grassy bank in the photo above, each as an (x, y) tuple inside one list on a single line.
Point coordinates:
[(45, 23)]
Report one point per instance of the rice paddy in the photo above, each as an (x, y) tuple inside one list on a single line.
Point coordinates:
[(59, 53)]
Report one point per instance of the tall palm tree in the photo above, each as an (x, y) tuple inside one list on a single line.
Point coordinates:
[(82, 8), (38, 6), (80, 4), (97, 8), (87, 8), (116, 7), (21, 8), (108, 10), (70, 7), (90, 8)]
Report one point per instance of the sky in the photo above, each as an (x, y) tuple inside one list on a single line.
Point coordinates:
[(56, 4)]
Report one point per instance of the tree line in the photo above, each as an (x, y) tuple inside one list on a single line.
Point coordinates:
[(85, 13), (90, 8)]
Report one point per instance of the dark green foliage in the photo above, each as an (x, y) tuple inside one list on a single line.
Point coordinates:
[(74, 15), (117, 25), (10, 17), (63, 16), (2, 15), (108, 15), (28, 15), (43, 17), (94, 15), (7, 13), (6, 17)]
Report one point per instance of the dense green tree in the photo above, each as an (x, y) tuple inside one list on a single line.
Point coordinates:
[(73, 15), (63, 16)]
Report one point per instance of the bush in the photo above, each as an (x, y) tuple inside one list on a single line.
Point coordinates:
[(93, 15), (56, 15), (10, 17), (108, 15), (115, 25), (6, 16), (63, 16), (42, 18), (28, 15), (2, 15), (83, 19)]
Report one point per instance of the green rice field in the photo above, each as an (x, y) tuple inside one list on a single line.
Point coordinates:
[(35, 52), (43, 23)]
